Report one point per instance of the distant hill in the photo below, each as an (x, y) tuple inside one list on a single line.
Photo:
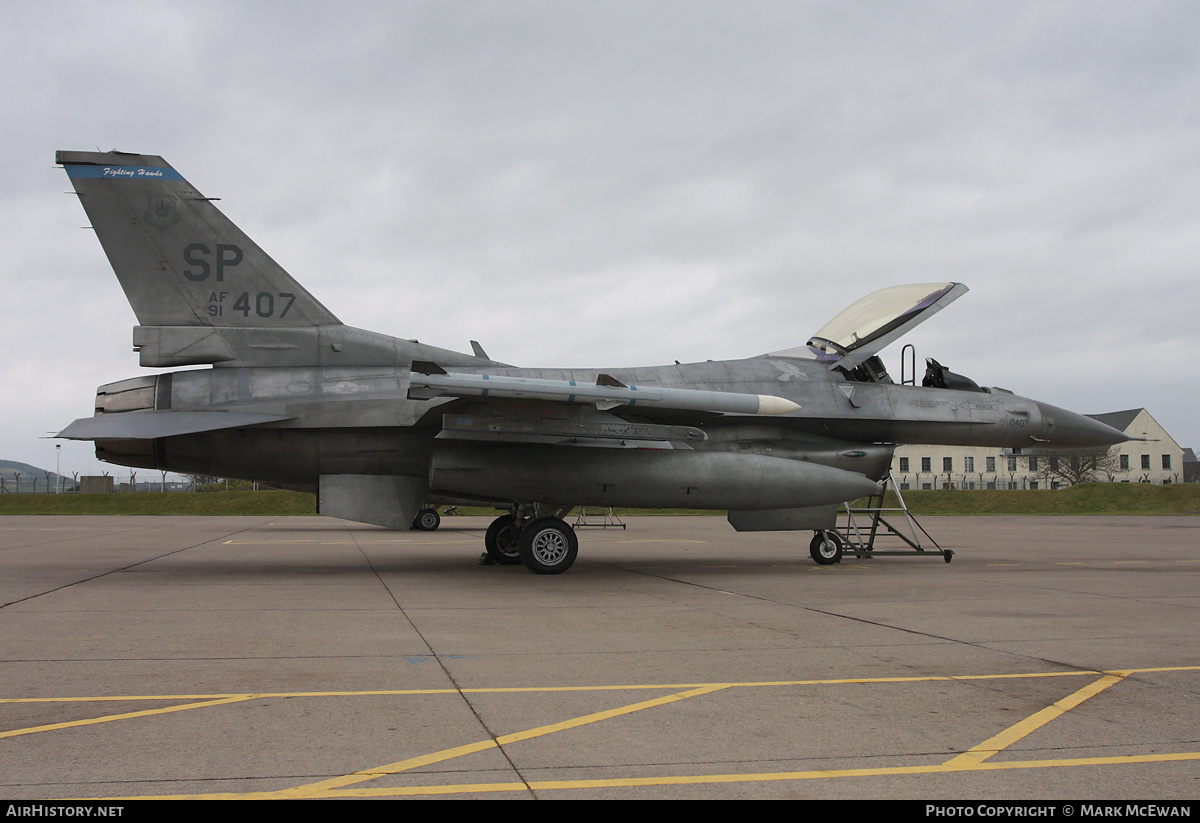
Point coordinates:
[(9, 469)]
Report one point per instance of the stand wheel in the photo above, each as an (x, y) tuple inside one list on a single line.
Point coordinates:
[(826, 548)]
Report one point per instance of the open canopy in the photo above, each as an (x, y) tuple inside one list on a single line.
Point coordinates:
[(870, 324)]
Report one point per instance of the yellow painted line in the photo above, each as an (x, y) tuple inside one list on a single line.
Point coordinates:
[(763, 777), (618, 687), (677, 780), (127, 698), (999, 742), (363, 775), (619, 541), (91, 721), (217, 699), (973, 760), (347, 542), (1151, 670), (699, 779)]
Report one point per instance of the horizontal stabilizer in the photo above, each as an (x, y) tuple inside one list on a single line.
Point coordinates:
[(148, 425)]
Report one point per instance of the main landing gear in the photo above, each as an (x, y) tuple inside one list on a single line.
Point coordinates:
[(544, 544)]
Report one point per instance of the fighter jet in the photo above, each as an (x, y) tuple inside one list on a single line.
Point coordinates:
[(380, 427)]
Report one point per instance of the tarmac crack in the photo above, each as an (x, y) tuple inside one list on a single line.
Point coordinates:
[(495, 738), (125, 568), (867, 622)]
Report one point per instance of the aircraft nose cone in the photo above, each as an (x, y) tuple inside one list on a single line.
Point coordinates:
[(1067, 430)]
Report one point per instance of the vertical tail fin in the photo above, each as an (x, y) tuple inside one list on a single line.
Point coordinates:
[(181, 261)]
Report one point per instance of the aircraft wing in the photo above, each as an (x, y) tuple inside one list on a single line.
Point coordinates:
[(148, 425)]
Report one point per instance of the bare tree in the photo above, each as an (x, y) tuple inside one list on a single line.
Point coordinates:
[(203, 482), (1078, 465)]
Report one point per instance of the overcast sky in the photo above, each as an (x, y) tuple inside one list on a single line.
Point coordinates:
[(632, 183)]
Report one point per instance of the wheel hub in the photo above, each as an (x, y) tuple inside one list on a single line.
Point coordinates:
[(549, 547)]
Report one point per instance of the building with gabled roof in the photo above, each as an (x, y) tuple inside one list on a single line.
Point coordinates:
[(1153, 457)]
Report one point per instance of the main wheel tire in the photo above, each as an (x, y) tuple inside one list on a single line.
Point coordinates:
[(826, 548), (502, 541), (427, 520), (548, 546)]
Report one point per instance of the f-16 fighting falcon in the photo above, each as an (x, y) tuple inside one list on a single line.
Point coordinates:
[(380, 427)]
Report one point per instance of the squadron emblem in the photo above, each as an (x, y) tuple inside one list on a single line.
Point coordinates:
[(162, 213)]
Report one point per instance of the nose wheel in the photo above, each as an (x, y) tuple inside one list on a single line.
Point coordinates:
[(427, 520)]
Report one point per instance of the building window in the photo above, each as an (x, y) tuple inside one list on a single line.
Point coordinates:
[(1012, 464), (1124, 462), (1146, 461), (968, 464), (991, 463), (926, 464), (947, 464), (1033, 465), (903, 464), (1166, 461)]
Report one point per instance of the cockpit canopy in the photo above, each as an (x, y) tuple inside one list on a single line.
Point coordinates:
[(868, 325)]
